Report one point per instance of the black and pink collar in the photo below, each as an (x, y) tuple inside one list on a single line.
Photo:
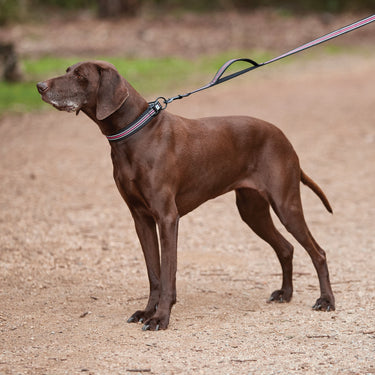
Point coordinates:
[(152, 110)]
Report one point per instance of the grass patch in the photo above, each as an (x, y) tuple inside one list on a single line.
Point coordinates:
[(167, 76), (158, 76), (18, 97)]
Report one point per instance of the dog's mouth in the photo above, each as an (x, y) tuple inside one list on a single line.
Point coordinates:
[(66, 106)]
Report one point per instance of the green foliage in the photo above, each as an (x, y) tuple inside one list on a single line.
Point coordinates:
[(18, 97), (37, 69), (65, 4), (14, 10), (11, 10), (21, 10), (292, 5)]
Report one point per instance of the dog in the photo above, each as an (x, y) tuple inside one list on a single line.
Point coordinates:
[(172, 165)]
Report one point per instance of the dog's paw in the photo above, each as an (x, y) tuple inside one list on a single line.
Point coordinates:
[(324, 304), (280, 296), (140, 316), (156, 323)]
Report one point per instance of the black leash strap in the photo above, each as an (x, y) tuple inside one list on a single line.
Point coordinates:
[(218, 78)]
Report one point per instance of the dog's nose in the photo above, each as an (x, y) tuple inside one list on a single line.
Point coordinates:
[(42, 87)]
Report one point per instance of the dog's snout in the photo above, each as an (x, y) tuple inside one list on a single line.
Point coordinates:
[(42, 87)]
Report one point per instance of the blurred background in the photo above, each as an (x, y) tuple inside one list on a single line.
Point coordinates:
[(71, 268), (12, 10), (159, 45)]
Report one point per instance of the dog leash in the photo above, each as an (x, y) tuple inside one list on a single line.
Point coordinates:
[(161, 103)]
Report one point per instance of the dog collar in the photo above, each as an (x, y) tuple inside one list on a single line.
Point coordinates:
[(152, 110)]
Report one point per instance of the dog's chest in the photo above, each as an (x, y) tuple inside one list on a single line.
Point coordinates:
[(130, 178)]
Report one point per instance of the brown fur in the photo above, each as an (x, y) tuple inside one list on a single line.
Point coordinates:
[(174, 164)]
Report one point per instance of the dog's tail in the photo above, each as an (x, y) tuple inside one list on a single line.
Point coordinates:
[(305, 179)]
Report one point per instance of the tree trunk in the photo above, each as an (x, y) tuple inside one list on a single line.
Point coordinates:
[(9, 67)]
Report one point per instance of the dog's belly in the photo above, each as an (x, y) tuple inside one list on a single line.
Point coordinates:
[(188, 200)]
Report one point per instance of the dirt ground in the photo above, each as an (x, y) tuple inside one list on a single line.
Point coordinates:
[(72, 271)]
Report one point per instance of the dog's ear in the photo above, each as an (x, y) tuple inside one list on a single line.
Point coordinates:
[(112, 92)]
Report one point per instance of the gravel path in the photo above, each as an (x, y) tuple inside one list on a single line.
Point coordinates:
[(72, 271)]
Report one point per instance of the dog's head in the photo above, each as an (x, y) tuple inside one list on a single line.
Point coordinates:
[(95, 86)]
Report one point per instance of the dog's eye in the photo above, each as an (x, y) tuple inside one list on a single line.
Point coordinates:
[(79, 75)]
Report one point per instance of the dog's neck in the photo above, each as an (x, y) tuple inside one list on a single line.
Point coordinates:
[(133, 106)]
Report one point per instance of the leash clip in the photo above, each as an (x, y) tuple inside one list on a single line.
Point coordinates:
[(157, 106)]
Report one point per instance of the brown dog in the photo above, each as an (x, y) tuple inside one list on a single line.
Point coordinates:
[(173, 165)]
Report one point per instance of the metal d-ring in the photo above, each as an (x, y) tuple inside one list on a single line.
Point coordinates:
[(163, 100)]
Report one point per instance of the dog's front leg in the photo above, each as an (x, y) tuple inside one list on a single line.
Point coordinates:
[(146, 230), (168, 231)]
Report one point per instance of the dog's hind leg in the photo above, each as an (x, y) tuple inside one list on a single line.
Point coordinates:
[(286, 202), (255, 212)]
